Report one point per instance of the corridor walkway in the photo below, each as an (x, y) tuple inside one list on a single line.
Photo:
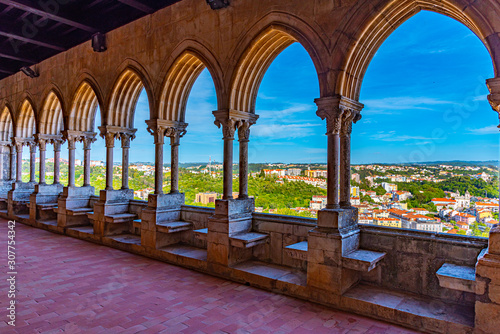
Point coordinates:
[(67, 285)]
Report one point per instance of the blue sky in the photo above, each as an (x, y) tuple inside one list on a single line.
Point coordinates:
[(424, 95)]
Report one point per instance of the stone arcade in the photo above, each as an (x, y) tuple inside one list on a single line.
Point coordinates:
[(432, 282)]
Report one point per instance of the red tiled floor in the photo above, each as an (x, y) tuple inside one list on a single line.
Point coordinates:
[(71, 286)]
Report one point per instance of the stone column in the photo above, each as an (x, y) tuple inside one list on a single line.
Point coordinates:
[(110, 144), (339, 113), (71, 160), (87, 143), (2, 159), (19, 164), (328, 108), (243, 138), (12, 162), (158, 133), (57, 160), (43, 148), (228, 129), (350, 116), (32, 146), (175, 134), (125, 138)]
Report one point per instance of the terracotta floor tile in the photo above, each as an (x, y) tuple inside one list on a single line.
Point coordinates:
[(72, 286)]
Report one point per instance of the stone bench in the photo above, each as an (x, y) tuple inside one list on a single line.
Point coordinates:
[(47, 206), (173, 227), (201, 234), (248, 239), (362, 260), (119, 218), (455, 277), (297, 251), (137, 223), (78, 211), (458, 277)]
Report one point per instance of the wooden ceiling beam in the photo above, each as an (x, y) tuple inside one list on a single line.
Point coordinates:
[(29, 8)]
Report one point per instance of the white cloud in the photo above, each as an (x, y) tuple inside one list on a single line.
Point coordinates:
[(481, 98), (391, 136), (287, 112), (389, 104), (281, 131), (487, 130)]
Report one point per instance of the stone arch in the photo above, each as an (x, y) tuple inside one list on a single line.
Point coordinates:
[(51, 117), (384, 22), (6, 124), (259, 55), (83, 108), (179, 80), (26, 121), (124, 97)]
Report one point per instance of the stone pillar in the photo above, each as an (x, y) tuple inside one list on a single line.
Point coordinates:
[(2, 170), (125, 138), (12, 162), (87, 143), (57, 160), (350, 116), (43, 148), (339, 113), (159, 138), (337, 234), (228, 129), (71, 160), (175, 134), (19, 164), (328, 108), (32, 146), (110, 144), (243, 138)]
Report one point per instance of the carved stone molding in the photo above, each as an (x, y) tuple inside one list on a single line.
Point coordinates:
[(32, 145), (88, 139), (162, 128), (231, 120), (110, 133), (175, 133), (339, 112), (244, 130)]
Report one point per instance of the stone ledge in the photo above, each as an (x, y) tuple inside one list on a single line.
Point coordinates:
[(173, 227), (461, 278), (79, 211), (424, 313), (120, 218), (362, 260), (298, 250), (201, 234), (248, 240)]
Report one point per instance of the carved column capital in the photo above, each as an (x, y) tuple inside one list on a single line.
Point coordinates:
[(42, 142), (339, 112), (88, 139), (57, 145), (32, 145), (176, 133), (125, 139), (231, 120), (494, 97), (244, 130), (228, 127)]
